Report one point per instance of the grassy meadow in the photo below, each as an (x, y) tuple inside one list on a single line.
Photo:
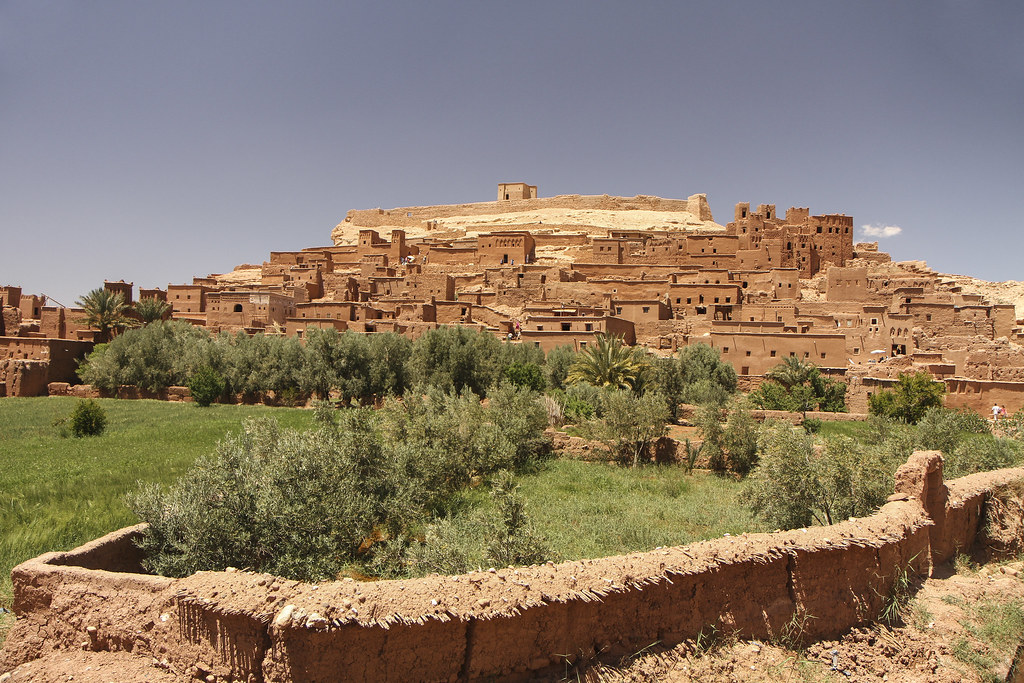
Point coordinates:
[(593, 509), (56, 493)]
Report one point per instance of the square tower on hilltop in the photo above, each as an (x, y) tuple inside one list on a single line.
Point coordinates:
[(516, 191)]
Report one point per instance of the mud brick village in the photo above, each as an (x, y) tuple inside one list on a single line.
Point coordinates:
[(553, 271), (826, 597)]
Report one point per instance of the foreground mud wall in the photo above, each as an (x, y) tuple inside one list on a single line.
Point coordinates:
[(510, 624)]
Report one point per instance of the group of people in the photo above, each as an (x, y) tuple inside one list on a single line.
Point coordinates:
[(998, 412)]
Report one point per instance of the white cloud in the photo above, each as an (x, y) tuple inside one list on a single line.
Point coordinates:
[(881, 230)]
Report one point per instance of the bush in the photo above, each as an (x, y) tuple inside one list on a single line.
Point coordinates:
[(708, 420), (306, 504), (512, 538), (812, 425), (579, 402), (557, 364), (206, 386), (795, 483), (526, 375), (741, 432), (629, 425), (942, 429), (88, 419), (981, 454), (504, 537), (153, 357), (1013, 427), (449, 546), (324, 414), (704, 376), (452, 358), (909, 399)]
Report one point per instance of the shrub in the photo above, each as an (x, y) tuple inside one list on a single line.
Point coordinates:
[(705, 377), (770, 395), (981, 454), (1013, 427), (324, 414), (306, 504), (153, 357), (812, 425), (512, 538), (741, 440), (88, 419), (796, 483), (452, 358), (909, 399), (942, 429), (260, 363), (449, 546), (279, 502), (708, 420), (206, 386), (629, 425), (557, 364), (580, 402), (526, 375)]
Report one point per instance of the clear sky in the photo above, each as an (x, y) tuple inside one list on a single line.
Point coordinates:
[(155, 141)]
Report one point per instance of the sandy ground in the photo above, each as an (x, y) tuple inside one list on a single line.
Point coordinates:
[(591, 221), (244, 276), (1009, 292), (635, 219)]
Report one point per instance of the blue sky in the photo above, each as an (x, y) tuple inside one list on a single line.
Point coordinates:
[(157, 141)]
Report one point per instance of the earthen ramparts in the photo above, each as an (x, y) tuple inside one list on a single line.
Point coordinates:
[(413, 216), (506, 624)]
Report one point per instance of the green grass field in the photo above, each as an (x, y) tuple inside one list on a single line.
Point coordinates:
[(596, 509), (856, 430), (593, 509), (57, 493)]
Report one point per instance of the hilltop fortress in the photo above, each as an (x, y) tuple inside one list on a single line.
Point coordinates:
[(558, 270)]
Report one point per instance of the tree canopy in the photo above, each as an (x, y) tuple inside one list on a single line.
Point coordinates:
[(909, 399), (608, 362), (105, 311)]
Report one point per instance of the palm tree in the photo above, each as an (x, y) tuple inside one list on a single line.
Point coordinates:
[(609, 363), (791, 372), (151, 309), (105, 311)]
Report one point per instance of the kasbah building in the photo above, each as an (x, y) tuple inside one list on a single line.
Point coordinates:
[(552, 271)]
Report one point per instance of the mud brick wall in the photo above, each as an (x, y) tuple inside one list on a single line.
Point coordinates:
[(505, 624)]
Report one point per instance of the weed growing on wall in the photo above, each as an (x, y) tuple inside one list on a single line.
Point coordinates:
[(894, 605)]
